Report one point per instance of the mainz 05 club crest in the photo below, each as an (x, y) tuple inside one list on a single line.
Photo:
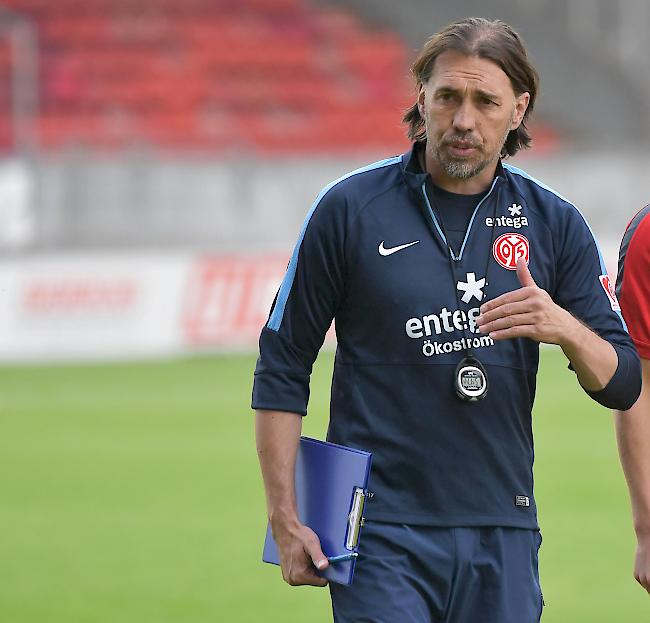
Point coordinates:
[(508, 248)]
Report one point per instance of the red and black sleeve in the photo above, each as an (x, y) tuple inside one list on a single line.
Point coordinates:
[(633, 282)]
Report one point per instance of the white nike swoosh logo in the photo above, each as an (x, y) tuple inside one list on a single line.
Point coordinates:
[(384, 251)]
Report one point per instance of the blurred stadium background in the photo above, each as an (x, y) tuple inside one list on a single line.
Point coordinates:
[(157, 159)]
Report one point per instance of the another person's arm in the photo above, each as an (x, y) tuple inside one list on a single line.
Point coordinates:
[(633, 435), (633, 425)]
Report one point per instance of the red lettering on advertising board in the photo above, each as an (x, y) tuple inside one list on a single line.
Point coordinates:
[(229, 298), (71, 295)]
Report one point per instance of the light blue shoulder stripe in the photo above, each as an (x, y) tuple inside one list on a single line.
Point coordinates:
[(603, 266), (522, 173), (275, 320)]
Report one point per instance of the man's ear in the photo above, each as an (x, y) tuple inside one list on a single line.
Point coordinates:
[(521, 106), (421, 97)]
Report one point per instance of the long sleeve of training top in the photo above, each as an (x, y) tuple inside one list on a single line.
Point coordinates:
[(303, 309), (584, 289)]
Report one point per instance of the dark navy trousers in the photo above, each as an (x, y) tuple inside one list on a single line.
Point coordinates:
[(421, 574)]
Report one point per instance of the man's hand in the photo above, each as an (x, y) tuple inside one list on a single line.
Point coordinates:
[(526, 312), (530, 312), (642, 563), (300, 554)]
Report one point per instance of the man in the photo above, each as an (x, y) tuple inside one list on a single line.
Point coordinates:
[(444, 269), (633, 426)]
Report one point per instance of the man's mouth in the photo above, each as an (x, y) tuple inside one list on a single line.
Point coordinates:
[(462, 148)]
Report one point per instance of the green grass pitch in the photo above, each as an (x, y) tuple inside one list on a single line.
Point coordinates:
[(131, 493)]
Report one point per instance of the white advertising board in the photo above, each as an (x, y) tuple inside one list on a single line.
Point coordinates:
[(119, 306), (91, 306)]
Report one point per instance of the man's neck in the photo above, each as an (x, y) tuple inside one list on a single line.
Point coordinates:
[(472, 186)]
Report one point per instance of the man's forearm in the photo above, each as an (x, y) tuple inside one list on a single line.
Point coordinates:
[(633, 435), (593, 359), (277, 435)]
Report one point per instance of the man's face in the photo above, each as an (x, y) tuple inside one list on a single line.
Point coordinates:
[(469, 108)]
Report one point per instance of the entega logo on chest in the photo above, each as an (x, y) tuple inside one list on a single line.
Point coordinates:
[(447, 322), (516, 222), (453, 321), (450, 321), (444, 322)]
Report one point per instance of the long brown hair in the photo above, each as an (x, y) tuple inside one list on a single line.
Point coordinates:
[(493, 40)]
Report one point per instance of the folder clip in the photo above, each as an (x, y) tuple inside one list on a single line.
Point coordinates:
[(355, 518)]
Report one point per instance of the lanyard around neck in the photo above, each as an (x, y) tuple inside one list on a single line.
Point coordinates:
[(451, 257), (440, 226)]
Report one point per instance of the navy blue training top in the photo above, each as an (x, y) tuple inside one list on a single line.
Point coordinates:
[(455, 212), (371, 255)]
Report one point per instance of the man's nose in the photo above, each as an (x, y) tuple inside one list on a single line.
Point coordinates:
[(464, 119)]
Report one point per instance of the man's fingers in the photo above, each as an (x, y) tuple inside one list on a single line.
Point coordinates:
[(315, 580), (523, 330), (507, 309), (520, 294), (307, 577), (507, 322), (643, 580), (312, 548), (299, 570), (525, 278), (301, 557), (527, 282)]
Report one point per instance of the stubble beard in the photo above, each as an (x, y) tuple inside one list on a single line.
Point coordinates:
[(460, 168)]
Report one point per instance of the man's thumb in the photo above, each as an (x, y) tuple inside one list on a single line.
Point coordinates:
[(525, 278), (316, 554)]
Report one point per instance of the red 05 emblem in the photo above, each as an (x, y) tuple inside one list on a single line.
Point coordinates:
[(508, 248)]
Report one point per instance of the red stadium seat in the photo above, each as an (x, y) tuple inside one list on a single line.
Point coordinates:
[(274, 76)]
